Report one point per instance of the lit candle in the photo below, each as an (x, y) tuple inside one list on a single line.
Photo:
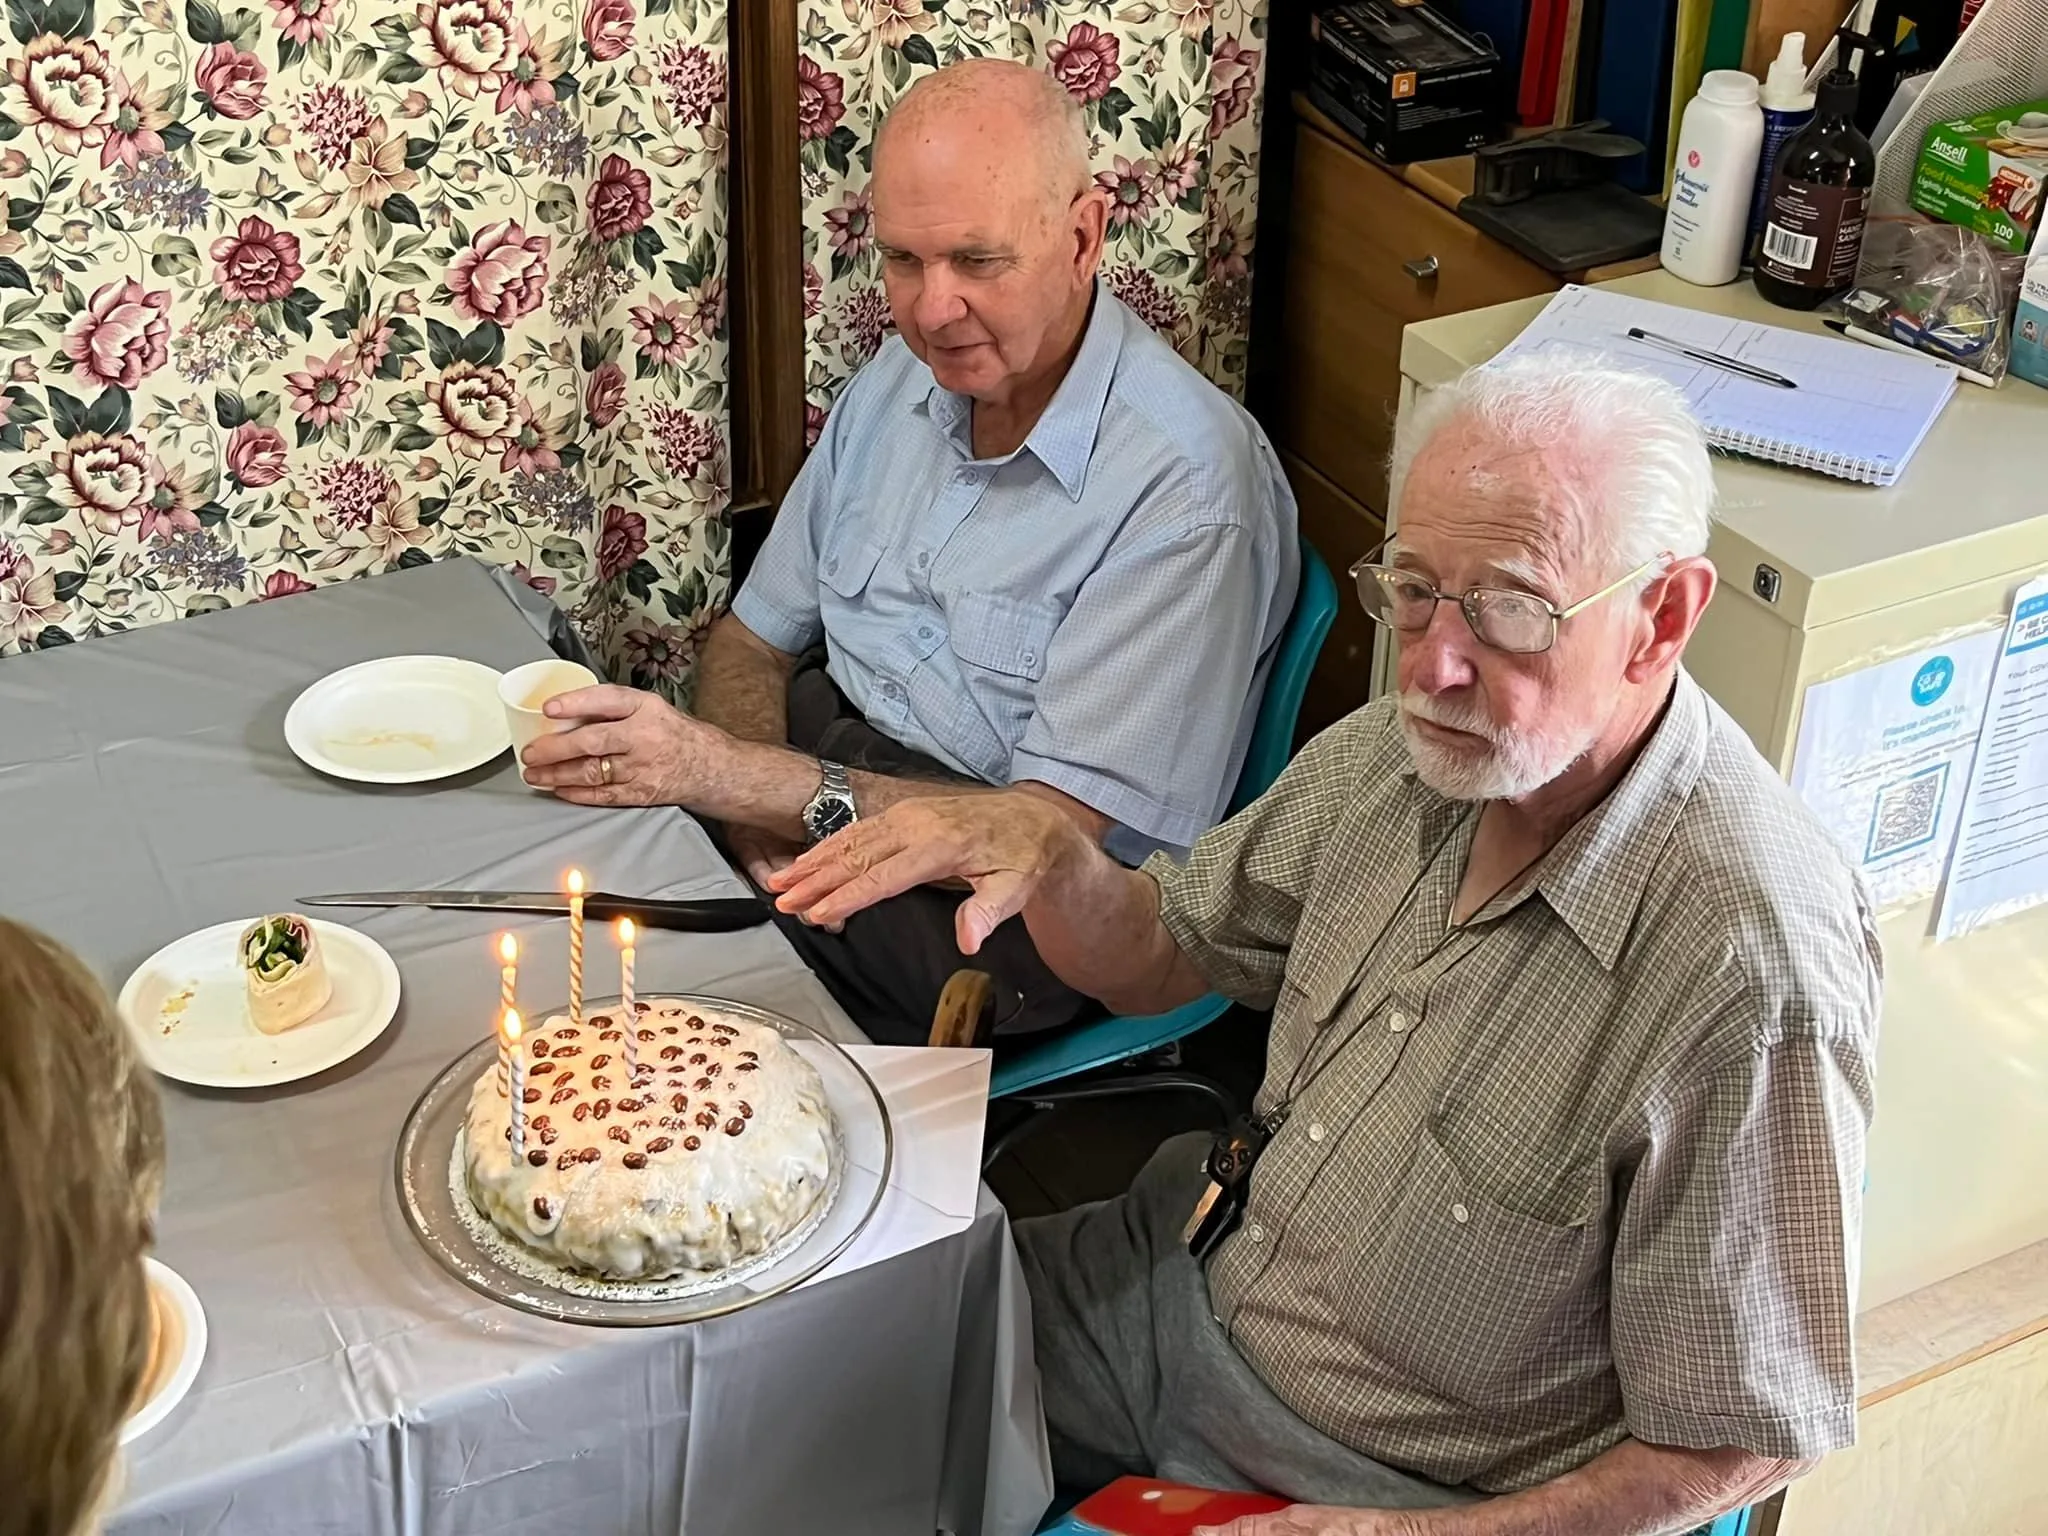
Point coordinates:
[(575, 946), (508, 982), (631, 1022), (515, 1053)]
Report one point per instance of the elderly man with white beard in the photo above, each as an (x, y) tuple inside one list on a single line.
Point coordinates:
[(1546, 1219)]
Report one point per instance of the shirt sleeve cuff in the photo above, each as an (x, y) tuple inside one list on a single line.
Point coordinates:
[(1223, 977), (788, 632), (1114, 799), (1792, 1437)]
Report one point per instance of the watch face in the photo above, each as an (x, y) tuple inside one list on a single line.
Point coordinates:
[(827, 816)]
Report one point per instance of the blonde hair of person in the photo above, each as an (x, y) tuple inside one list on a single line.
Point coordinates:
[(81, 1163)]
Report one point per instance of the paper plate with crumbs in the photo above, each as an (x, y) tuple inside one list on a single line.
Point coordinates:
[(400, 720), (683, 1160)]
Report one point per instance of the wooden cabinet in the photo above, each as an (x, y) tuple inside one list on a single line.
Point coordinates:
[(1367, 254)]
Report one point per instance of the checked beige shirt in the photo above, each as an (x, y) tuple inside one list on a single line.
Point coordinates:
[(1586, 1166)]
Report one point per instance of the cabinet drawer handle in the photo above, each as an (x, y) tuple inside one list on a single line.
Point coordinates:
[(1421, 269)]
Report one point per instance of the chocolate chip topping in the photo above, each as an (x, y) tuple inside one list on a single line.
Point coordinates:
[(610, 1034), (540, 1122), (646, 1034), (560, 1095), (540, 1069), (670, 1029), (582, 1110), (706, 1119), (600, 1081), (698, 1058), (541, 1208), (701, 1084), (549, 1136), (714, 1069), (540, 1047), (601, 1108), (746, 1109), (599, 1059), (691, 1143), (671, 1053), (679, 1102), (568, 1050), (591, 1154), (567, 1158), (659, 1144), (748, 1066), (620, 1133), (538, 1158), (734, 1126), (635, 1160), (530, 1096), (748, 1056), (629, 1106), (600, 1019)]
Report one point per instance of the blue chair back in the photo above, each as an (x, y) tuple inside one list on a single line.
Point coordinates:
[(1111, 1040), (1315, 610)]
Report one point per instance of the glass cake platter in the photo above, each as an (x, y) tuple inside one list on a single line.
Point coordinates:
[(432, 1192)]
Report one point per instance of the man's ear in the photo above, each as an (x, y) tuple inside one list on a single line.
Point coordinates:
[(1090, 224), (1673, 603)]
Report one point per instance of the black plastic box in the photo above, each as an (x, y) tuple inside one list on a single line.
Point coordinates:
[(1408, 83)]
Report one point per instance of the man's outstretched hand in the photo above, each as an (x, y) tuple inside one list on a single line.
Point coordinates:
[(1003, 845)]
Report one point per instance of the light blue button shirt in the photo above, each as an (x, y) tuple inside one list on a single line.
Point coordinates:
[(1096, 611)]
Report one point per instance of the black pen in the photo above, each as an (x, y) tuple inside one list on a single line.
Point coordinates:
[(1712, 359)]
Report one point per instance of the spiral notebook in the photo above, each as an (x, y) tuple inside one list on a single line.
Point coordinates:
[(1856, 413)]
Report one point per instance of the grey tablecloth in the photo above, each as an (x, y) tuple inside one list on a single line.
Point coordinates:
[(350, 1385)]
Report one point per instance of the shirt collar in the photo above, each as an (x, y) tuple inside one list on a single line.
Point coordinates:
[(1063, 440), (1596, 875)]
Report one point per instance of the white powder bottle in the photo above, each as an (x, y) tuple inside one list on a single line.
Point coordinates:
[(1719, 139)]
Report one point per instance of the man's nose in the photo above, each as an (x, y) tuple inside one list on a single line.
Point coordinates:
[(938, 300), (1438, 657)]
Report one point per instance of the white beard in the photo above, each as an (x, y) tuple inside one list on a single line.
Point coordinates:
[(1513, 763)]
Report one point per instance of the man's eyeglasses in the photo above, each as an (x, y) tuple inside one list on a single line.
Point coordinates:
[(1518, 622)]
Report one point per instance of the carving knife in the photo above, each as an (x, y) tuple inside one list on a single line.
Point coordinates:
[(717, 914)]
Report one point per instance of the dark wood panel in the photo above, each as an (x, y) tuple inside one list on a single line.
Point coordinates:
[(1354, 225), (1341, 530), (767, 256)]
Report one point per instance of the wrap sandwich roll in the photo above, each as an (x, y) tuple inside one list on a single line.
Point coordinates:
[(287, 974)]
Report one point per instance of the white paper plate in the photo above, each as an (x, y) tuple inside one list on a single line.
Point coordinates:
[(182, 1346), (187, 1007), (401, 720)]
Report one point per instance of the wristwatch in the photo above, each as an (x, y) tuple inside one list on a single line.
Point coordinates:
[(831, 808)]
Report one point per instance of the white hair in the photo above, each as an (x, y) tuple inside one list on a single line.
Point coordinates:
[(1632, 461)]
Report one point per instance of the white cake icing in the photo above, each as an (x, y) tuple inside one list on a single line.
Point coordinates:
[(722, 1148)]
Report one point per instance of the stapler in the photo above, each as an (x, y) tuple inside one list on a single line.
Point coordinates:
[(1553, 197), (1582, 155)]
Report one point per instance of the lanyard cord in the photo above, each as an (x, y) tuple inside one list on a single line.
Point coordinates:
[(1296, 1086)]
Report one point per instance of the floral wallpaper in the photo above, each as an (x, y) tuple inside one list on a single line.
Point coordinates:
[(1173, 95), (303, 290)]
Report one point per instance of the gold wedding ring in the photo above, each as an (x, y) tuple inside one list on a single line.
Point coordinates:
[(604, 768)]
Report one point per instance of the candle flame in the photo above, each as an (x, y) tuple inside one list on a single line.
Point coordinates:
[(575, 882), (512, 1025), (508, 948), (626, 932)]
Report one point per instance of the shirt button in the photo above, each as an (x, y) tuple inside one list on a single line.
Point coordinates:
[(1460, 1214), (1398, 1022), (1316, 1132), (1031, 658), (924, 558), (1255, 1232), (924, 631), (891, 689)]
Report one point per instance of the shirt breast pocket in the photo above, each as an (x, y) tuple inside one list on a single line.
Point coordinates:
[(1008, 636), (848, 568), (1481, 1302)]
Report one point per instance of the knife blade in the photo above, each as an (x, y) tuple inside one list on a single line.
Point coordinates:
[(716, 914)]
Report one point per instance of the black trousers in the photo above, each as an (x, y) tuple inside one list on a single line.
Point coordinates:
[(887, 966)]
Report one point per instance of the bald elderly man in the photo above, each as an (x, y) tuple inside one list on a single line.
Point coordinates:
[(1033, 549)]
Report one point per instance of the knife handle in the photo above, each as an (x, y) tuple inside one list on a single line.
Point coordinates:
[(717, 914)]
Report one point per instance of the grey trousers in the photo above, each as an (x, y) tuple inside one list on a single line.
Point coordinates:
[(1139, 1378)]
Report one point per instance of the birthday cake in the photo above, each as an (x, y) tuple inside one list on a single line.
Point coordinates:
[(720, 1148)]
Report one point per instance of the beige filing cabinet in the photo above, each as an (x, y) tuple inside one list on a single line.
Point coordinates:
[(1959, 1152)]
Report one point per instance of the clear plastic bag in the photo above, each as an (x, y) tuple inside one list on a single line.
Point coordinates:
[(1937, 289)]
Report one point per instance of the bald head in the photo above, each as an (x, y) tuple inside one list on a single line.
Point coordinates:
[(1021, 119), (990, 228)]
